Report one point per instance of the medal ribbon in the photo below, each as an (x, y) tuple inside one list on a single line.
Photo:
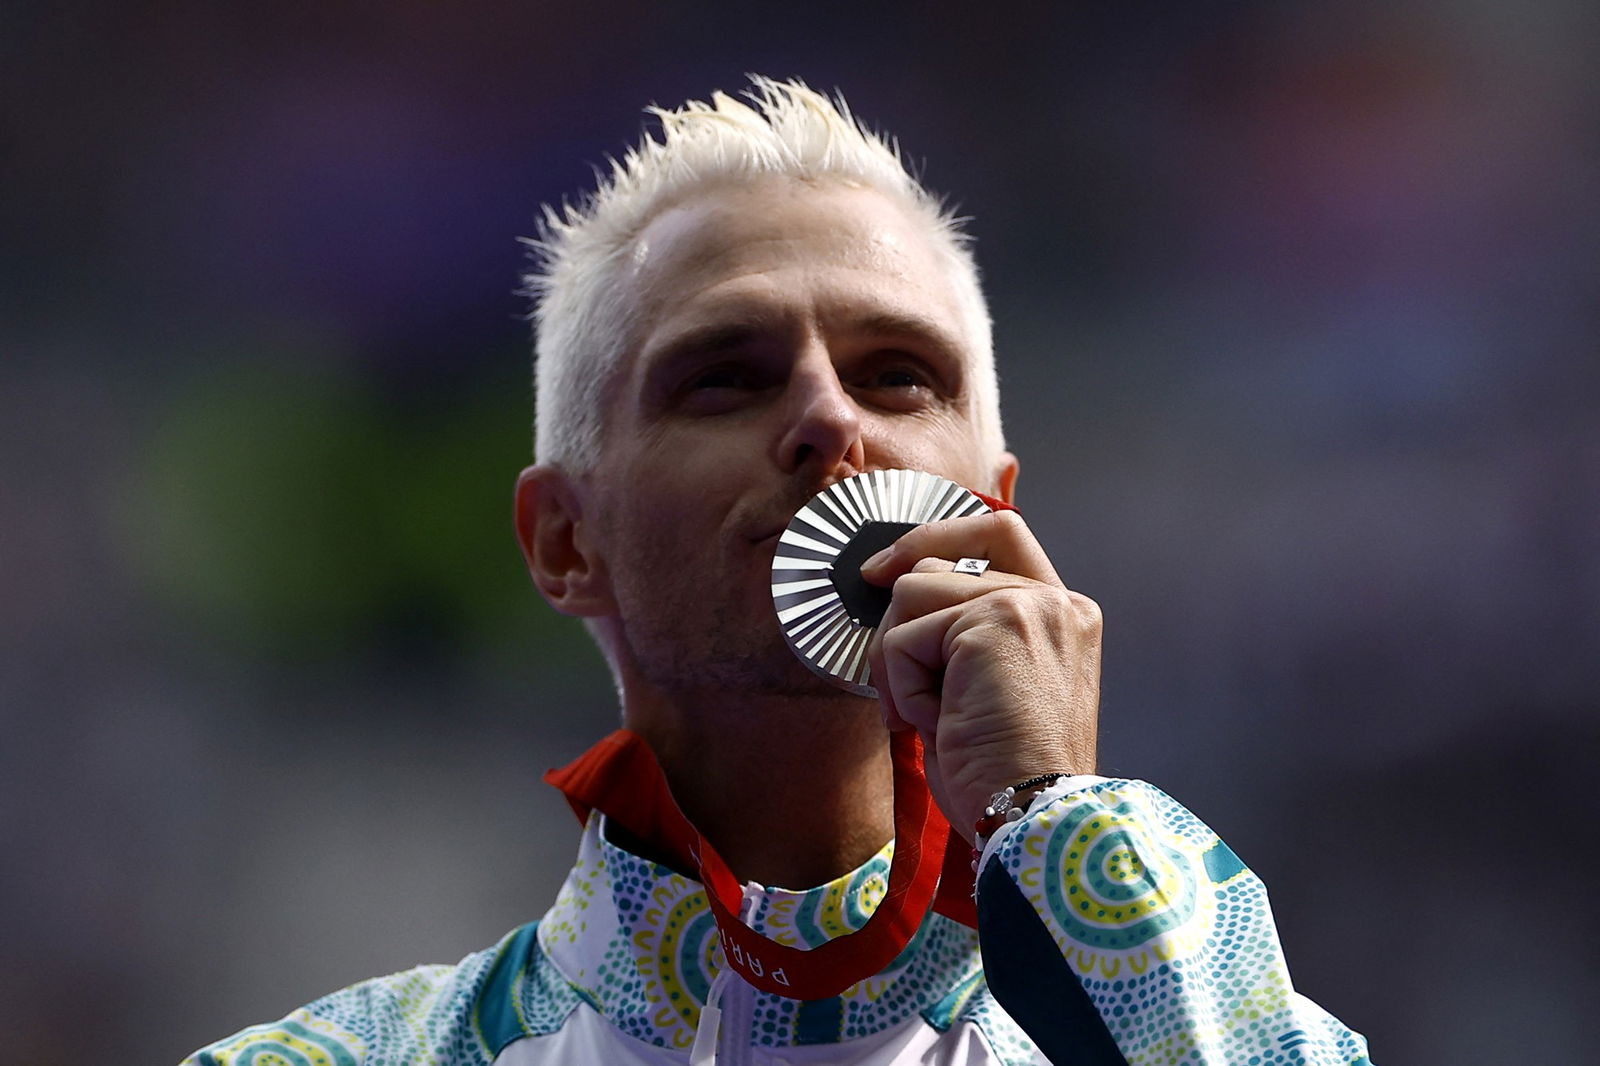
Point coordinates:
[(620, 778)]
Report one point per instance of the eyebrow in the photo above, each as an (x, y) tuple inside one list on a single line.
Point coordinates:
[(925, 329), (739, 331), (712, 339)]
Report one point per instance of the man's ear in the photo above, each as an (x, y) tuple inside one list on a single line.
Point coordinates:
[(562, 560), (1005, 478)]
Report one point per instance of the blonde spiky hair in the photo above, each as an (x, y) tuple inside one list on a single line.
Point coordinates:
[(580, 326)]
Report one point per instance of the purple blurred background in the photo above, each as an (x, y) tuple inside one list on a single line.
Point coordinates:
[(1297, 318)]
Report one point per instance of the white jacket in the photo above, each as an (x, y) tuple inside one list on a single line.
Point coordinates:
[(1116, 929)]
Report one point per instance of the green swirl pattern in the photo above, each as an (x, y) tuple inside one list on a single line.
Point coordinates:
[(286, 1043), (1111, 885)]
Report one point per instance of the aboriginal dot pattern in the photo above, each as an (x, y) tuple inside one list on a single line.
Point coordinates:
[(1167, 931), (299, 1040), (418, 1016), (1189, 971), (647, 961)]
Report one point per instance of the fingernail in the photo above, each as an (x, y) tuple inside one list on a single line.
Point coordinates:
[(877, 560)]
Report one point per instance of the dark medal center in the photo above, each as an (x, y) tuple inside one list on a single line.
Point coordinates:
[(865, 603)]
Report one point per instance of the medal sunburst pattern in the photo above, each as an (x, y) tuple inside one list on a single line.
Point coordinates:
[(827, 612)]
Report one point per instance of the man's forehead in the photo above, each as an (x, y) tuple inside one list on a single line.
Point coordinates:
[(773, 220), (727, 242)]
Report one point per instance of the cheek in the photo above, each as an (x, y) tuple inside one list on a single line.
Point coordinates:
[(949, 451), (657, 516)]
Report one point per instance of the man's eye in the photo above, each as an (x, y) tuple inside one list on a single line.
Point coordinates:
[(722, 387), (898, 378), (721, 377)]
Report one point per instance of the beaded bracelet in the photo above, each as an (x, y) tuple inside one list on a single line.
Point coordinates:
[(1004, 807)]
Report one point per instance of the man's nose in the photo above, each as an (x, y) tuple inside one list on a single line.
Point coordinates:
[(822, 422)]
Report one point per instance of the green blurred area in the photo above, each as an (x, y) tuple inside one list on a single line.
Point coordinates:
[(295, 510)]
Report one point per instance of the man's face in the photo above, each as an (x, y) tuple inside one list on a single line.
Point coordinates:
[(784, 336)]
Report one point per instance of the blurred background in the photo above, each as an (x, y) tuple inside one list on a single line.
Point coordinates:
[(1297, 318)]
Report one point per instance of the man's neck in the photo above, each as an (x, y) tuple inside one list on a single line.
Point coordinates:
[(791, 792)]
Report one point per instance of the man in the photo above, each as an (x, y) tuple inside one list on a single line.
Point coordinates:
[(757, 306)]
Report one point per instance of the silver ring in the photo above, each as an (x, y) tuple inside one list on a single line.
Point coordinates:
[(975, 567)]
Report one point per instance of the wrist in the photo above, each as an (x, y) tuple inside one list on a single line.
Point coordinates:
[(975, 769), (1010, 804)]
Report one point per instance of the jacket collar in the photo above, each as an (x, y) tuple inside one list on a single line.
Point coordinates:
[(637, 942)]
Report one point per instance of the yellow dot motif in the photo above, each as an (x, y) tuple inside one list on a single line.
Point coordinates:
[(295, 1041), (1121, 897)]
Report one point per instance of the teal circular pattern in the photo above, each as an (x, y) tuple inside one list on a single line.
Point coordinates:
[(272, 1053), (694, 955), (1110, 884), (290, 1045)]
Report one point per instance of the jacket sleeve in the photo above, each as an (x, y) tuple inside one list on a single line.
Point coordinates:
[(426, 1014), (1118, 930)]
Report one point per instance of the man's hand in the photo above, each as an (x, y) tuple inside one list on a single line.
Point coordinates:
[(999, 672)]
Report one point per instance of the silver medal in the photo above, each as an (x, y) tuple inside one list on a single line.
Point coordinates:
[(827, 612)]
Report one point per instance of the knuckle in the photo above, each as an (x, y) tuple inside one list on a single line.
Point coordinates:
[(928, 565), (1041, 612), (1012, 601), (1090, 617), (966, 640), (1007, 522), (1012, 607), (895, 645)]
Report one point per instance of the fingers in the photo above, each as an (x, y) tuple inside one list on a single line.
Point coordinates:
[(920, 567), (932, 585), (1002, 537), (908, 664), (930, 588)]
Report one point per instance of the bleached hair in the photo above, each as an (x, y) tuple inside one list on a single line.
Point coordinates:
[(583, 248)]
